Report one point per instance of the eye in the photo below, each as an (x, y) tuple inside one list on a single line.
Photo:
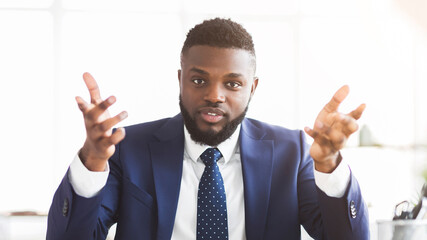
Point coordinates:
[(234, 84), (198, 81)]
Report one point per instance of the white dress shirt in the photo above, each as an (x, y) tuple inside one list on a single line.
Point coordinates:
[(88, 184)]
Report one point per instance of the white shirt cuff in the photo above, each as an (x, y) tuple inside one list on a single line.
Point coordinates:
[(334, 184), (85, 182)]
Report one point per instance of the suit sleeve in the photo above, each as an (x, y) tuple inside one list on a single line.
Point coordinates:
[(326, 217), (75, 217)]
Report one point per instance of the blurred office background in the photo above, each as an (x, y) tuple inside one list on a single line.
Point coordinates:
[(306, 50)]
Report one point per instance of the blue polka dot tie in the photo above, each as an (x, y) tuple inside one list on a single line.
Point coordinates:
[(211, 203)]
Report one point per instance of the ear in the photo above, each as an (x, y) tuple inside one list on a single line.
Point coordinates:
[(254, 85), (179, 75)]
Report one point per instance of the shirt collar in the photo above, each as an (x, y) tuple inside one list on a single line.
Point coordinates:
[(227, 148)]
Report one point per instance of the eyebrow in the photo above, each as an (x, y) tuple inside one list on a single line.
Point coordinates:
[(198, 70), (203, 72), (234, 75)]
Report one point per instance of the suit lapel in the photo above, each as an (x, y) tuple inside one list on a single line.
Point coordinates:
[(257, 162), (167, 157)]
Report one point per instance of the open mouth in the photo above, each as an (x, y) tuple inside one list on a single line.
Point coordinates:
[(212, 115)]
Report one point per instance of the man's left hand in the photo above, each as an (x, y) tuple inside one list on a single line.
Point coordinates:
[(331, 131)]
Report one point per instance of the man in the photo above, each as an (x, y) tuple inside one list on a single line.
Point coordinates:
[(209, 172)]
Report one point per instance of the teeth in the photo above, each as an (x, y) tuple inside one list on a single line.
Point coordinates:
[(212, 114)]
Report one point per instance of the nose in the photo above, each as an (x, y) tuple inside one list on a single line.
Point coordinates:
[(215, 94)]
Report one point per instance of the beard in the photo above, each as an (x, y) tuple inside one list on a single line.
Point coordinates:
[(210, 137)]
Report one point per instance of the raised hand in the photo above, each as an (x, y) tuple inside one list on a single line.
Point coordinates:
[(331, 131), (100, 141)]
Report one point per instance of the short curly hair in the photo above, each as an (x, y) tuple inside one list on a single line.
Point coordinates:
[(219, 32)]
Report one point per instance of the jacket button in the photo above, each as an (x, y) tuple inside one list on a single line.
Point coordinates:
[(65, 207), (353, 211)]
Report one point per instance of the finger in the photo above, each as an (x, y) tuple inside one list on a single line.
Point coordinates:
[(345, 124), (310, 132), (336, 100), (322, 136), (357, 113), (117, 136), (319, 129), (92, 86), (104, 105), (99, 109), (318, 137), (82, 104), (109, 123), (349, 125)]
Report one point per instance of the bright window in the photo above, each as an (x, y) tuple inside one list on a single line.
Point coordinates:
[(27, 104), (306, 49)]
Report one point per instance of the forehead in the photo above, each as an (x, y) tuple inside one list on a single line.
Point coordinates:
[(225, 59)]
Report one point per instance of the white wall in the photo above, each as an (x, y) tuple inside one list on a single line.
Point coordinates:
[(306, 49)]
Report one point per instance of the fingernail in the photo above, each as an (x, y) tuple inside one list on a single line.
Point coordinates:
[(111, 99), (318, 124), (123, 115)]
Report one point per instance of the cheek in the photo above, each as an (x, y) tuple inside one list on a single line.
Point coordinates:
[(191, 96), (238, 103), (190, 99), (245, 96), (185, 91)]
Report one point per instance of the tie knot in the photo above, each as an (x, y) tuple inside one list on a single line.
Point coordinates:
[(210, 156)]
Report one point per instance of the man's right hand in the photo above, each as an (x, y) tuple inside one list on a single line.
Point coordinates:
[(100, 141)]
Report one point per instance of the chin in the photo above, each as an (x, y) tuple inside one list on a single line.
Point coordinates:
[(210, 128)]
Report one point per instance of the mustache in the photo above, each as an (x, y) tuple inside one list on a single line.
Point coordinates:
[(211, 105)]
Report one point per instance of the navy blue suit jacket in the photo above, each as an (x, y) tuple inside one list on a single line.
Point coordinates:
[(142, 190)]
